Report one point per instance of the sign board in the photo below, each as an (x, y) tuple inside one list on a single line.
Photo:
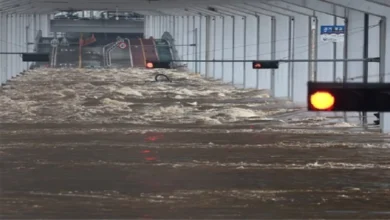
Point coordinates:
[(55, 42), (332, 33), (64, 42), (122, 45)]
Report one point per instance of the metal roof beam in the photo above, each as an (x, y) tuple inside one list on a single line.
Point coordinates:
[(112, 4), (178, 12), (196, 12), (259, 10), (248, 12), (151, 12), (319, 6), (381, 2), (362, 6), (244, 7), (290, 7), (207, 12), (225, 10), (5, 4), (19, 9), (265, 7)]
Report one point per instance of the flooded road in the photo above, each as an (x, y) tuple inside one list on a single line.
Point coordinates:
[(91, 144)]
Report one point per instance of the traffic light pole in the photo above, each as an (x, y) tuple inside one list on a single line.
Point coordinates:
[(374, 59), (365, 63)]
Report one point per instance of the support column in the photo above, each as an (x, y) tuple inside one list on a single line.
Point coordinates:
[(223, 47), (244, 64), (183, 27), (264, 50), (354, 50), (195, 41), (174, 26), (227, 38), (312, 49), (146, 26), (334, 49), (203, 44), (233, 46), (273, 54), (34, 30), (26, 36), (20, 43), (160, 25), (290, 77), (12, 46), (151, 28), (365, 56), (167, 23), (207, 43), (188, 30), (258, 41), (213, 31), (2, 78), (6, 28)]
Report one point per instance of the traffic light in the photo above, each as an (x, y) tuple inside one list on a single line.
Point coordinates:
[(158, 64), (356, 97), (261, 64)]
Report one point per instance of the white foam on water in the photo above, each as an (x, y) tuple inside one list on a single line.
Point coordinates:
[(113, 95), (127, 91)]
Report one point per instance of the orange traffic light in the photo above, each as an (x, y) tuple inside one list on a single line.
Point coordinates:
[(322, 100), (348, 97), (265, 64), (149, 65)]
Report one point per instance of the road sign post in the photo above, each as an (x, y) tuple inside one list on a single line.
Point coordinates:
[(122, 45), (54, 43)]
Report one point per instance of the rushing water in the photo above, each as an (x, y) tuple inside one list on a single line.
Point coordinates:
[(114, 144)]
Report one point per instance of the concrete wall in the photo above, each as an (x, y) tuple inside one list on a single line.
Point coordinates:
[(15, 31), (272, 36)]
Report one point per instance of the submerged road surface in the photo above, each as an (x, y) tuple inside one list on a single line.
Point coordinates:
[(106, 144)]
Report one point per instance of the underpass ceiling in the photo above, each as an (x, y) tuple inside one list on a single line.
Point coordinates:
[(163, 7), (49, 6)]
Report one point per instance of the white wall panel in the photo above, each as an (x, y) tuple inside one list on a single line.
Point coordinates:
[(218, 47), (251, 51), (282, 52), (238, 71), (15, 31), (264, 76), (355, 44), (228, 49), (324, 50), (301, 51), (340, 53), (373, 48)]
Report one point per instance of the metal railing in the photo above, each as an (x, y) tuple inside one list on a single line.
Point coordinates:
[(107, 57), (53, 57)]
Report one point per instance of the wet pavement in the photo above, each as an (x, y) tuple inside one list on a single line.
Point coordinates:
[(83, 144)]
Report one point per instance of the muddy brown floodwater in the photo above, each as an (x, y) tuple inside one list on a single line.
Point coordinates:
[(93, 144)]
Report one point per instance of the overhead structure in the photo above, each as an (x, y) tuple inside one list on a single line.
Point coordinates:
[(345, 33)]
